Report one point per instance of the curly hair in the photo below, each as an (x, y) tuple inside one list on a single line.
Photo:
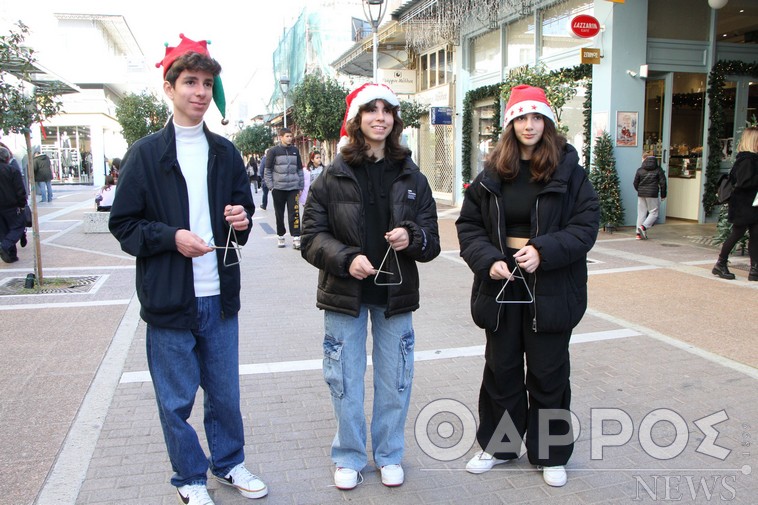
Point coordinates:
[(356, 152), (192, 61), (505, 156)]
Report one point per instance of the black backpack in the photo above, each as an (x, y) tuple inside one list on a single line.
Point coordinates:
[(724, 189)]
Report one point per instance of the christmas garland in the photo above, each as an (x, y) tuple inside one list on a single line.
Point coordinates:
[(716, 100), (577, 73)]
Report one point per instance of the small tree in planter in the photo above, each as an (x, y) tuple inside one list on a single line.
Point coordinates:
[(605, 179)]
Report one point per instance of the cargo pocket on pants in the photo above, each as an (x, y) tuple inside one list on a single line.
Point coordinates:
[(405, 367), (333, 366)]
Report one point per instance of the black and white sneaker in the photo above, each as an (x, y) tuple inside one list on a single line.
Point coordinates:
[(248, 485), (194, 494)]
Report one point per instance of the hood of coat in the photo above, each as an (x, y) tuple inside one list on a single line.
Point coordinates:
[(650, 163), (746, 156)]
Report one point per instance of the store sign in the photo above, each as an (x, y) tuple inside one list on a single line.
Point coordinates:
[(441, 115), (401, 80), (590, 55), (584, 26)]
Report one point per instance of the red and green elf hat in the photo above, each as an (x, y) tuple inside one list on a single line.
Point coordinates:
[(190, 46)]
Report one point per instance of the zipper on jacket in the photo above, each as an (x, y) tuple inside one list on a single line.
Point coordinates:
[(500, 243), (534, 284)]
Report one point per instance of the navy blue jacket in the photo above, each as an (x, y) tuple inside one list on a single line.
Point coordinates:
[(564, 226), (151, 204)]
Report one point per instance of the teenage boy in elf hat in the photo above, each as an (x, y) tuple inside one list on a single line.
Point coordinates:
[(180, 191)]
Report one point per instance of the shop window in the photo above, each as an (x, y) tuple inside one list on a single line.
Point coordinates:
[(435, 69), (521, 43), (678, 20), (556, 29), (486, 52)]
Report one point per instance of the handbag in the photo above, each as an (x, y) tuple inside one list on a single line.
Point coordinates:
[(27, 216), (725, 189)]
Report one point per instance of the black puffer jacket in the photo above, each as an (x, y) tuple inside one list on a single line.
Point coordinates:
[(565, 222), (650, 179), (744, 176), (333, 234)]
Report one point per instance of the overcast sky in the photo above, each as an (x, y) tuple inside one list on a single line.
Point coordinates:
[(243, 35)]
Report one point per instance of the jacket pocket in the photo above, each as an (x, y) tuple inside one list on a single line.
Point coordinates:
[(485, 311)]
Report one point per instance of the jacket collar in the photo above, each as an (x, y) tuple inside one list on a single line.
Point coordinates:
[(168, 133), (339, 167)]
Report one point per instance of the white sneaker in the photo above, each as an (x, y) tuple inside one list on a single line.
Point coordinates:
[(345, 478), (483, 462), (296, 243), (194, 494), (392, 475), (280, 241), (554, 475), (248, 485)]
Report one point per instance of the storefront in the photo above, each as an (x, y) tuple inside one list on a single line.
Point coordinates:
[(653, 74), (70, 151)]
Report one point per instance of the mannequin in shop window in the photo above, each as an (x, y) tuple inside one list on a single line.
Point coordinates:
[(66, 160)]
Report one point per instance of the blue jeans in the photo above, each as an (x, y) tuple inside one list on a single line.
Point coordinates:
[(344, 370), (181, 360), (45, 189)]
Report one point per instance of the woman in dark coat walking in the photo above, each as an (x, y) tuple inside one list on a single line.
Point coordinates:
[(525, 227), (743, 213)]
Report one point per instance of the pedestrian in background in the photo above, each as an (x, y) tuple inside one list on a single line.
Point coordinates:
[(105, 195), (743, 206), (525, 227), (12, 203), (284, 178), (180, 191), (264, 187), (312, 170), (369, 218), (649, 182), (14, 164), (43, 175)]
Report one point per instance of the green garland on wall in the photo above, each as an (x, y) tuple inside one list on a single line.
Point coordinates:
[(716, 100), (577, 73)]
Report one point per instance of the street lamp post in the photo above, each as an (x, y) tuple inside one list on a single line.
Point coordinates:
[(284, 85), (374, 11)]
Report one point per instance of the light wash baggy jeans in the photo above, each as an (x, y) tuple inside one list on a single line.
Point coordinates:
[(344, 369)]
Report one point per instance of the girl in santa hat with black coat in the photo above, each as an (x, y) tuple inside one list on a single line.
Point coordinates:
[(525, 227)]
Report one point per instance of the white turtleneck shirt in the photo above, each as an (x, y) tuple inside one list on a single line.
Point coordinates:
[(192, 153)]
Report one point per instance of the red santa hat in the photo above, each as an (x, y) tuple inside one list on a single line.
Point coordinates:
[(525, 99), (363, 95), (201, 47)]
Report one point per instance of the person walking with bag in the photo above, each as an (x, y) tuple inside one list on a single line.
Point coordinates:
[(743, 206), (525, 227), (369, 217)]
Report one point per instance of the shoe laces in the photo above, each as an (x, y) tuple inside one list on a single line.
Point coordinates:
[(240, 474), (196, 494)]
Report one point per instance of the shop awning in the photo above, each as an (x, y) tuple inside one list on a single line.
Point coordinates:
[(359, 60)]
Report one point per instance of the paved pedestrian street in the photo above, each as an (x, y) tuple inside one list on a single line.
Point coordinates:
[(664, 378)]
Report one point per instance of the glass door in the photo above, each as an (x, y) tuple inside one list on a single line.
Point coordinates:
[(656, 130)]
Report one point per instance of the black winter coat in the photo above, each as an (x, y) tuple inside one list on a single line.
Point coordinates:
[(650, 179), (12, 191), (564, 227), (744, 177), (333, 234), (151, 204)]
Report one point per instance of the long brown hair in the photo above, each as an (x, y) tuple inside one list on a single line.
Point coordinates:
[(356, 152), (506, 155)]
